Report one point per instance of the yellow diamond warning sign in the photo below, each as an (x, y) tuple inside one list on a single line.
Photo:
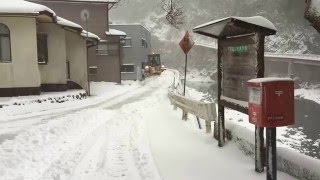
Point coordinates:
[(186, 43)]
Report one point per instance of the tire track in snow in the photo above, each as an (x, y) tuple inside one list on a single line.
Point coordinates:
[(110, 149), (12, 128)]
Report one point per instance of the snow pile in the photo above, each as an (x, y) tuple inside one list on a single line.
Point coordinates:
[(235, 118), (60, 102), (52, 97), (111, 89), (12, 106)]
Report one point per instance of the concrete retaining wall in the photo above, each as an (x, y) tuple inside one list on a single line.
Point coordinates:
[(289, 161)]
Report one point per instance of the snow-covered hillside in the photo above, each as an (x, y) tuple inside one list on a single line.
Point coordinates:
[(294, 35)]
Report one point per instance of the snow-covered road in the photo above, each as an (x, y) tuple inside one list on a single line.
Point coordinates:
[(133, 135), (95, 140)]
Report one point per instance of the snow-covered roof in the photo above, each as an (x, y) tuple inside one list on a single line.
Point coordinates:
[(64, 22), (268, 79), (313, 57), (207, 45), (129, 24), (94, 1), (114, 32), (306, 59), (90, 35), (23, 7), (240, 25)]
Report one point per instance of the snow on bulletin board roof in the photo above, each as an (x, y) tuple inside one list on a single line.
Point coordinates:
[(269, 79), (94, 1), (217, 27), (22, 7)]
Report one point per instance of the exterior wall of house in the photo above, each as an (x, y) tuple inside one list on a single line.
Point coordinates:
[(77, 57), (98, 23), (136, 54), (98, 14), (108, 66), (54, 73), (21, 76)]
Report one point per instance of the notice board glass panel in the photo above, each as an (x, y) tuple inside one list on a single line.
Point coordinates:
[(239, 61)]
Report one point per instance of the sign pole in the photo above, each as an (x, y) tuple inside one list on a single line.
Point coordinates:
[(260, 155), (184, 113), (271, 143), (186, 44), (220, 133), (185, 76)]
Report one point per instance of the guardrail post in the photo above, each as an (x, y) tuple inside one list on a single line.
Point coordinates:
[(199, 124), (184, 115), (208, 126), (221, 128), (215, 130)]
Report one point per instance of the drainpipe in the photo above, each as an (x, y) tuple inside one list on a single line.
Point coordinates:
[(119, 47), (88, 77), (121, 38)]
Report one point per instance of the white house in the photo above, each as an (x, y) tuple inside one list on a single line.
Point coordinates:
[(36, 47)]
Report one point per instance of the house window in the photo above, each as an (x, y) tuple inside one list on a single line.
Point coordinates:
[(68, 70), (105, 48), (144, 43), (42, 47), (127, 68), (102, 48), (5, 47), (93, 70), (113, 49), (127, 42)]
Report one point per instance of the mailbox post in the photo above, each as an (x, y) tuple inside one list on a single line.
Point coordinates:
[(271, 105)]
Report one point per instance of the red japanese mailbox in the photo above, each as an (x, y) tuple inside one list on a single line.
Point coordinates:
[(271, 102)]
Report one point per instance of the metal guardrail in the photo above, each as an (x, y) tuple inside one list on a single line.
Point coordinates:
[(206, 111)]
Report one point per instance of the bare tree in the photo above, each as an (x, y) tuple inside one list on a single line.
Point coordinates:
[(117, 3), (312, 15), (174, 13)]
